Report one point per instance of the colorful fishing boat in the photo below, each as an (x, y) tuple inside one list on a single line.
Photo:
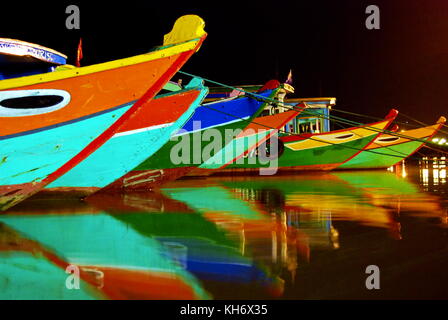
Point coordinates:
[(50, 122), (390, 149), (275, 117), (255, 134), (313, 151), (136, 140), (221, 120), (272, 119)]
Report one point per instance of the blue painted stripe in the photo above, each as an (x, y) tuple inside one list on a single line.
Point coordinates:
[(215, 113)]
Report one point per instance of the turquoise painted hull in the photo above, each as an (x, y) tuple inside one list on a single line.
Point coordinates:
[(122, 153), (47, 150)]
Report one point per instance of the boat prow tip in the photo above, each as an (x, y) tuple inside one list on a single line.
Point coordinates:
[(270, 85), (185, 28), (393, 113), (442, 120)]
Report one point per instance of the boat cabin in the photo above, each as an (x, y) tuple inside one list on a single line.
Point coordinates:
[(20, 58), (313, 120)]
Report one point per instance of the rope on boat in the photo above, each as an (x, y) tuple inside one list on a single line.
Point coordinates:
[(299, 135), (420, 123), (424, 124), (311, 112), (294, 107), (373, 117)]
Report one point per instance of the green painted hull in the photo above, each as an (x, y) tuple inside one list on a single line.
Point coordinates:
[(382, 157), (163, 160), (319, 158)]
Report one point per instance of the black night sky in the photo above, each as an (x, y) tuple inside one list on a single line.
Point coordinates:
[(325, 43)]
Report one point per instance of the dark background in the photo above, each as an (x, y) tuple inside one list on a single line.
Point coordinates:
[(325, 43)]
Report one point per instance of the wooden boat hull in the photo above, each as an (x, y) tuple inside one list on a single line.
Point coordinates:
[(388, 150), (38, 145), (231, 114), (315, 152), (136, 140)]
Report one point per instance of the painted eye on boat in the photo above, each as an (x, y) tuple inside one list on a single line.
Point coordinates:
[(388, 139), (32, 102), (345, 136)]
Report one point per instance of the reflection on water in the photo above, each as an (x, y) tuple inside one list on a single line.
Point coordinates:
[(286, 237)]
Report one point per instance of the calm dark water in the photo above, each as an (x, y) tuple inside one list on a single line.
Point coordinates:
[(307, 236)]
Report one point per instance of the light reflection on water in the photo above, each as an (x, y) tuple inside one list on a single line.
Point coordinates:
[(308, 236)]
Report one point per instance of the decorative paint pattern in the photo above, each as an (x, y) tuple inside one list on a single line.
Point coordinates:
[(30, 111)]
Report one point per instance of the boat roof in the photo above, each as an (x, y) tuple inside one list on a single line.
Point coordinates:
[(316, 102), (17, 51), (250, 88)]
